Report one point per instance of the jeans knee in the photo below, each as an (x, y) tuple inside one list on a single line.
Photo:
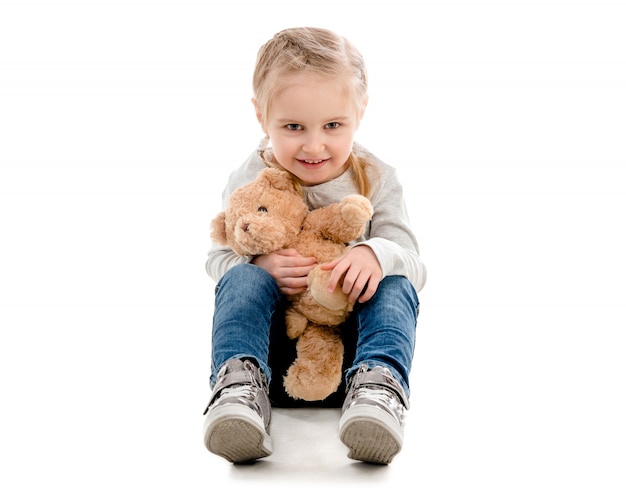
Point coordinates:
[(248, 277), (402, 287)]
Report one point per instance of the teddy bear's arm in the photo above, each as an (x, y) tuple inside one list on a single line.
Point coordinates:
[(218, 228), (341, 222)]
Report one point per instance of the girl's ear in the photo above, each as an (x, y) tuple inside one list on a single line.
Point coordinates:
[(257, 110), (363, 106)]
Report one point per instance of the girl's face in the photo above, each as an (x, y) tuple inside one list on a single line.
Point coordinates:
[(311, 124)]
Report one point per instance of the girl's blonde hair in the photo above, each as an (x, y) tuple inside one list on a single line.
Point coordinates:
[(313, 51)]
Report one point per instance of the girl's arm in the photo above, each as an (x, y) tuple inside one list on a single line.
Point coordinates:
[(221, 259), (391, 247), (390, 235)]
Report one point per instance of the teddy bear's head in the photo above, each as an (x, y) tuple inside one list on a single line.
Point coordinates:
[(262, 216)]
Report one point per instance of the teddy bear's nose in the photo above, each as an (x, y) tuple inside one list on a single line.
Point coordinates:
[(245, 227)]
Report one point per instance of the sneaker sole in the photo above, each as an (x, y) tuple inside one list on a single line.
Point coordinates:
[(370, 434), (237, 434)]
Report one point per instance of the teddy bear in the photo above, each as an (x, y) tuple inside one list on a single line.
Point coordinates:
[(269, 214)]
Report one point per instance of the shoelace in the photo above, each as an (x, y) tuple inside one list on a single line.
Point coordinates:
[(243, 391), (383, 398)]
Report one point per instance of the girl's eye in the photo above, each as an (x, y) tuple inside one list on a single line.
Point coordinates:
[(294, 126), (333, 126)]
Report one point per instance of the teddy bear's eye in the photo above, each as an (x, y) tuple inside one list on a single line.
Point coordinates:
[(262, 209)]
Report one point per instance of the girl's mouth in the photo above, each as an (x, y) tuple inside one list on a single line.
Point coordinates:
[(312, 162)]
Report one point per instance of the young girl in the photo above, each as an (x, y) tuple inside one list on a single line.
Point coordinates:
[(310, 93)]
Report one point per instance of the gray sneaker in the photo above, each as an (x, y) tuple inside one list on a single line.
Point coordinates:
[(372, 420), (238, 420)]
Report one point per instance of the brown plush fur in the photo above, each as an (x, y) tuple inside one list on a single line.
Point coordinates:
[(269, 214)]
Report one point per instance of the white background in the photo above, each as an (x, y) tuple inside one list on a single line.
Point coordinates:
[(119, 123)]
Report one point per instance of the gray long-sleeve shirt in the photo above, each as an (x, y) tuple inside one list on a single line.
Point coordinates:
[(389, 234)]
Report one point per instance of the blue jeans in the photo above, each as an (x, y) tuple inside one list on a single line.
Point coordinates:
[(248, 322)]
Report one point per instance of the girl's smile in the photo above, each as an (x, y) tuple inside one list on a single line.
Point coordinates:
[(312, 164)]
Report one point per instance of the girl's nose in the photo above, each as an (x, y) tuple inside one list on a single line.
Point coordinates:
[(314, 143)]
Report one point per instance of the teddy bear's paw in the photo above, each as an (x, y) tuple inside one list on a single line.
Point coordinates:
[(356, 209), (310, 384)]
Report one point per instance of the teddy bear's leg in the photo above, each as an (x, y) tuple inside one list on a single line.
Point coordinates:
[(316, 372), (317, 280)]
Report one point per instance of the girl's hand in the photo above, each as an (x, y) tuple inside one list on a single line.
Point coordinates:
[(288, 268), (361, 273)]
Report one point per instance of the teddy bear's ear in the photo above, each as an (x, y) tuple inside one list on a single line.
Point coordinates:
[(278, 179), (218, 229)]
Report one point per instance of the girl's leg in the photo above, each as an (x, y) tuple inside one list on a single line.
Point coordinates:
[(386, 329), (373, 413), (238, 415), (246, 299)]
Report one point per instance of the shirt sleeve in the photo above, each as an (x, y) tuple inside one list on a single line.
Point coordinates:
[(221, 259), (390, 234)]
